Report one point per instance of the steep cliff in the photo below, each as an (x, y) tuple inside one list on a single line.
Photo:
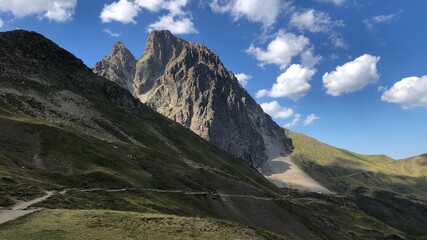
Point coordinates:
[(189, 84), (119, 66)]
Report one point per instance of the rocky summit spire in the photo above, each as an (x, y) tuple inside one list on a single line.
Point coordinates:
[(160, 49), (118, 66), (189, 84)]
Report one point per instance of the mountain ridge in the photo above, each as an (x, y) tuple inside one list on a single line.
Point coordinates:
[(341, 170), (188, 83)]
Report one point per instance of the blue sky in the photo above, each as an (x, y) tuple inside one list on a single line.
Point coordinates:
[(351, 73)]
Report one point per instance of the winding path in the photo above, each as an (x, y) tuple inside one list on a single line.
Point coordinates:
[(224, 195), (20, 209)]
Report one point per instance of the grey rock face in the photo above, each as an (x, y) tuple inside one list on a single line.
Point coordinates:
[(161, 48), (188, 83), (119, 67)]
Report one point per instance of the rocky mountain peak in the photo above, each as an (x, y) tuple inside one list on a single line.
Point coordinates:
[(161, 47), (118, 66), (120, 48), (188, 83), (163, 44)]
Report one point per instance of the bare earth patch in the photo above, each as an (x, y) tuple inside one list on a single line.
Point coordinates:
[(285, 174)]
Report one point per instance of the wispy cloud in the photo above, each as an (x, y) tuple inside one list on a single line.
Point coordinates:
[(294, 122), (314, 21), (371, 22), (310, 119), (338, 40), (112, 34), (318, 22), (335, 2)]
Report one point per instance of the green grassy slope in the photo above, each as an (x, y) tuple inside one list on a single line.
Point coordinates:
[(341, 170), (104, 224)]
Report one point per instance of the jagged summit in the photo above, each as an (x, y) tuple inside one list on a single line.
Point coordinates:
[(188, 83), (118, 66), (120, 48), (162, 42), (161, 47)]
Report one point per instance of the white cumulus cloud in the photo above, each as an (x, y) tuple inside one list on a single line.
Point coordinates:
[(150, 5), (123, 11), (276, 111), (313, 21), (262, 11), (57, 10), (281, 50), (293, 83), (294, 122), (174, 23), (310, 119), (177, 20), (1, 23), (409, 92), (243, 78), (352, 76)]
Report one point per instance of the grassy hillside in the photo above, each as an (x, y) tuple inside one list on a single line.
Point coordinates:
[(413, 166), (103, 224), (341, 170), (64, 128)]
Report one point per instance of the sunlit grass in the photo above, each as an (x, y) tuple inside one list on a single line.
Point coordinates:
[(102, 224)]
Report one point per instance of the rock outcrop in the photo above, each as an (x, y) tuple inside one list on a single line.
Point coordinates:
[(119, 66), (189, 84)]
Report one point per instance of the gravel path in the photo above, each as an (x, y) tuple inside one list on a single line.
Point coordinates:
[(20, 209)]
